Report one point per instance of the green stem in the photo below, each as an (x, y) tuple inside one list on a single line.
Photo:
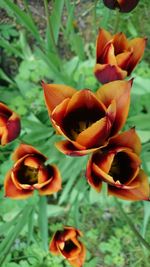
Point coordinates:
[(130, 223), (43, 221), (117, 20)]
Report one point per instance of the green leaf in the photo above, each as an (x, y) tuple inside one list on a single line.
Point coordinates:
[(146, 217), (140, 121), (56, 17)]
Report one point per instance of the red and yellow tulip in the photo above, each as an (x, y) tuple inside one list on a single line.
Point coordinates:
[(118, 165), (67, 244), (29, 173), (116, 56), (9, 125), (84, 118), (122, 5)]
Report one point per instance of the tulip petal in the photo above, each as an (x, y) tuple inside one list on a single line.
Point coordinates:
[(12, 129), (128, 139), (142, 192), (23, 150), (96, 134), (79, 261), (85, 99), (55, 94), (120, 43), (124, 59), (55, 183), (120, 92), (102, 39), (125, 6), (106, 73), (108, 55), (92, 178), (136, 45), (12, 191), (68, 148)]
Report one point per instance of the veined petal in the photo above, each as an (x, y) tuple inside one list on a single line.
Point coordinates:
[(128, 139), (68, 148), (55, 94), (12, 191), (136, 45), (142, 192), (120, 43), (120, 92), (55, 183), (96, 134), (106, 73), (102, 39), (23, 150)]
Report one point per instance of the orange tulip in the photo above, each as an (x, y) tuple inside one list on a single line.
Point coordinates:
[(85, 119), (118, 165), (9, 125), (122, 5), (67, 244), (116, 56), (29, 173)]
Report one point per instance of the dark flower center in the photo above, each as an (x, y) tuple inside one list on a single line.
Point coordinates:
[(79, 120), (28, 175), (69, 246), (121, 168)]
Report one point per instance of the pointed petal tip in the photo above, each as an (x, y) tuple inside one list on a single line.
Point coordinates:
[(42, 83)]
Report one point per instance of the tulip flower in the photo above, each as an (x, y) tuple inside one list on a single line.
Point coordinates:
[(30, 172), (9, 125), (122, 5), (67, 244), (86, 119), (118, 165), (116, 56)]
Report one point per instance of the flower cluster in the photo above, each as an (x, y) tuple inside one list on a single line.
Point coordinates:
[(91, 123)]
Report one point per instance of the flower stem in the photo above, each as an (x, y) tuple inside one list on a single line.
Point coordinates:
[(117, 20), (43, 221), (130, 223)]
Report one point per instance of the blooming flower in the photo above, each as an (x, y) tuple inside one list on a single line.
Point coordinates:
[(85, 119), (116, 56), (122, 5), (30, 172), (67, 243), (118, 165), (9, 125)]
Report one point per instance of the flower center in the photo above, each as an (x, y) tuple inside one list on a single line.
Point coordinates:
[(69, 246), (28, 175), (121, 169), (79, 120)]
